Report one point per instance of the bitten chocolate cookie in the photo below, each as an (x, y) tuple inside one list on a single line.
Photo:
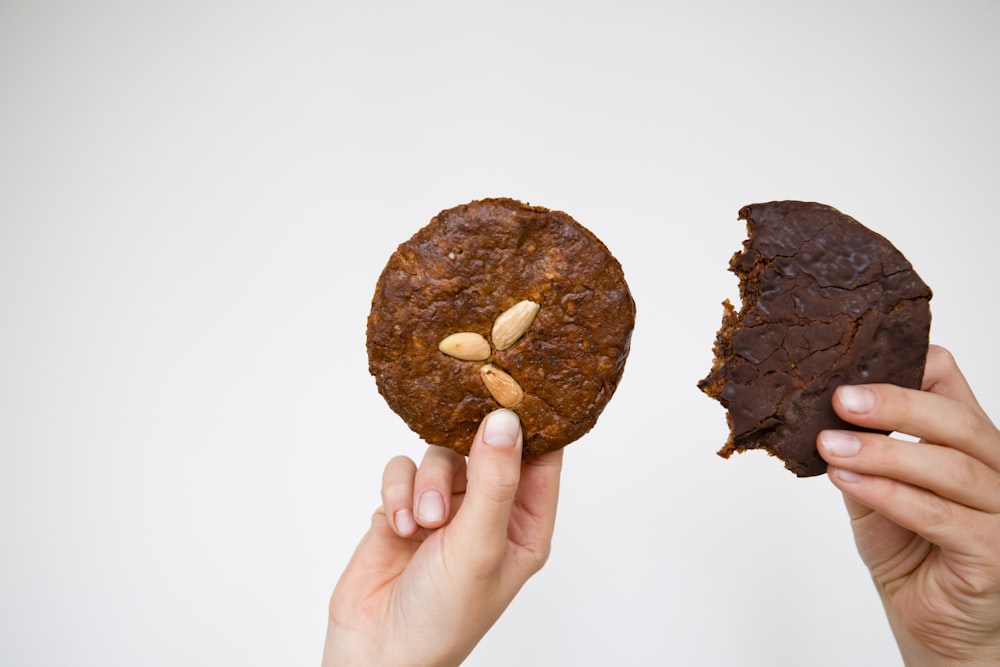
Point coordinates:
[(497, 303), (825, 302)]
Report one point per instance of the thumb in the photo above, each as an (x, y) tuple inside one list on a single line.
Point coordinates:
[(493, 474)]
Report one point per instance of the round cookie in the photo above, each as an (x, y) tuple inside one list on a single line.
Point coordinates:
[(826, 302), (558, 353)]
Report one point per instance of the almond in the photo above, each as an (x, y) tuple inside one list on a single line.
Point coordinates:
[(466, 345), (512, 323), (504, 389)]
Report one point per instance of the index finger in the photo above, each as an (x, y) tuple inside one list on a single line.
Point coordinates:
[(932, 417), (537, 498), (942, 376)]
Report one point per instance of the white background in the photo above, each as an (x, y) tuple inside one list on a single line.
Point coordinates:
[(196, 199)]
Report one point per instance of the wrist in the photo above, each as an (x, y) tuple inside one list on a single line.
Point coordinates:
[(346, 648)]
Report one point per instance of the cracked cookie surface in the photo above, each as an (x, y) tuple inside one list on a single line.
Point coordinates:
[(457, 275), (825, 302)]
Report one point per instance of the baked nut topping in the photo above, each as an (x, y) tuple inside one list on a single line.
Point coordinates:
[(502, 386), (513, 322), (470, 346), (466, 345)]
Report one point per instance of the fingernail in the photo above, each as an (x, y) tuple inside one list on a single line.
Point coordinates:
[(848, 476), (841, 443), (856, 399), (501, 429), (404, 521), (430, 509)]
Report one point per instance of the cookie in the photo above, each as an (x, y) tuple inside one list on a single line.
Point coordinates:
[(498, 303), (825, 302)]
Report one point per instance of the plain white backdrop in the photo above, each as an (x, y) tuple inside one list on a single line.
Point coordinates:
[(196, 199)]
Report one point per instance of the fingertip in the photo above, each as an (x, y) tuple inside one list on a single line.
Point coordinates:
[(496, 449), (940, 357), (843, 475), (834, 444), (430, 509), (551, 458), (380, 515), (439, 477), (501, 428), (400, 461), (856, 399), (403, 522), (397, 490)]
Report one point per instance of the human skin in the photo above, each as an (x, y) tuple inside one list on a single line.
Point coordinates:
[(449, 548), (453, 542), (925, 515)]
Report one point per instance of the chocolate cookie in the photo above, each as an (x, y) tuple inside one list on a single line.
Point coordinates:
[(497, 303), (825, 302)]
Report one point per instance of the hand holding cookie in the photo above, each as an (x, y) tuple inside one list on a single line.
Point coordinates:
[(449, 548), (926, 516)]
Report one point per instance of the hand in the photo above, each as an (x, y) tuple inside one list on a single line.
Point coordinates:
[(926, 516), (448, 550)]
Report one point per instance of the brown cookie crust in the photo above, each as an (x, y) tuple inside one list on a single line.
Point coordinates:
[(825, 302), (458, 273)]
